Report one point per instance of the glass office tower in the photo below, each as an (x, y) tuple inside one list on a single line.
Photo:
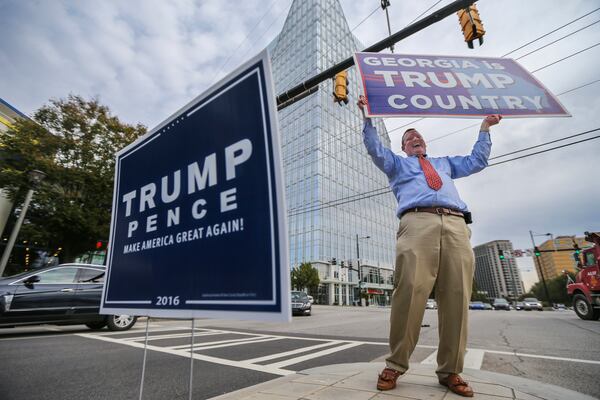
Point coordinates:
[(336, 197)]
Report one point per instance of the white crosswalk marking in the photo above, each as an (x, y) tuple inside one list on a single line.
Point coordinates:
[(290, 353), (297, 360), (473, 358)]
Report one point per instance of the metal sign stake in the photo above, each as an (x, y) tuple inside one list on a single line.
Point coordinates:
[(144, 362), (192, 358)]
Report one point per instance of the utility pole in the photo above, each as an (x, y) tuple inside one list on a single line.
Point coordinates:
[(385, 4), (540, 266), (296, 91)]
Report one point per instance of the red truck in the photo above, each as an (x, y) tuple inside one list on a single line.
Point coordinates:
[(585, 290)]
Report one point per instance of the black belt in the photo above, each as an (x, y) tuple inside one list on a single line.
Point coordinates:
[(434, 210)]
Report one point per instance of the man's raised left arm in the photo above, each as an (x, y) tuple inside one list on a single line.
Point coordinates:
[(478, 159)]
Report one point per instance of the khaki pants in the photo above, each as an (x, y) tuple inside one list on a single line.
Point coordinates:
[(431, 249)]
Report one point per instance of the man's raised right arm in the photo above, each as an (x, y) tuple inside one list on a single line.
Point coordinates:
[(383, 157)]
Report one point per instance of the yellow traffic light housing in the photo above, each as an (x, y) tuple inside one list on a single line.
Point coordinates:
[(340, 87), (470, 23)]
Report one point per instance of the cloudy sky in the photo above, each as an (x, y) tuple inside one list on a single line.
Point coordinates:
[(146, 59)]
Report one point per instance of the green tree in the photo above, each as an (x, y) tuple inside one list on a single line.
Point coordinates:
[(557, 289), (476, 294), (305, 277), (74, 142)]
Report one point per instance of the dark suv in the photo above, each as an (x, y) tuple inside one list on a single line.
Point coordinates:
[(501, 304), (66, 294)]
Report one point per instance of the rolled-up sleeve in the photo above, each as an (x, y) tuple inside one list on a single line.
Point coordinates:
[(383, 157), (462, 166)]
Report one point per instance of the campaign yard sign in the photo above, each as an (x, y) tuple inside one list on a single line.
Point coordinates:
[(452, 86), (198, 220)]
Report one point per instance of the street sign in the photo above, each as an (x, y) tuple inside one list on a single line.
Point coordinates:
[(399, 85), (198, 220)]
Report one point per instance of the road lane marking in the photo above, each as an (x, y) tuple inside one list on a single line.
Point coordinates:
[(269, 339), (291, 352), (510, 353), (172, 336), (297, 360), (183, 346), (215, 360), (473, 359)]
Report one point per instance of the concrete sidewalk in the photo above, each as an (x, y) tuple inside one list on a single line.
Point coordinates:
[(357, 382)]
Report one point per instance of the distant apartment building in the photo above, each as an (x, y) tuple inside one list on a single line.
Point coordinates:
[(497, 276), (558, 256)]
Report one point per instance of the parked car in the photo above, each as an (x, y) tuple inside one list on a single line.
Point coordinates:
[(531, 303), (65, 294), (501, 304), (476, 305), (487, 306), (559, 307), (301, 304), (519, 306), (311, 299), (431, 304)]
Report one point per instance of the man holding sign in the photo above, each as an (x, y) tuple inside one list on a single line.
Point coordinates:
[(433, 248)]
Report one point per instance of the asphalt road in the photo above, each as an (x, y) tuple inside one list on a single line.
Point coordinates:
[(46, 362)]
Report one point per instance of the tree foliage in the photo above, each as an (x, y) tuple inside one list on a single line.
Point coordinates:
[(305, 277), (557, 289), (74, 142)]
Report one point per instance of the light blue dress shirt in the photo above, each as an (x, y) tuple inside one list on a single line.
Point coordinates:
[(408, 182)]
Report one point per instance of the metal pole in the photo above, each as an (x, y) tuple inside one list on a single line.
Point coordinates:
[(144, 362), (192, 359), (540, 266), (389, 28), (15, 232)]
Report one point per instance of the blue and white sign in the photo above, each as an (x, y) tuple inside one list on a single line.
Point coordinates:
[(198, 221)]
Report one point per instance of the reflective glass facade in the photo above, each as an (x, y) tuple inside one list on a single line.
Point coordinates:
[(323, 155)]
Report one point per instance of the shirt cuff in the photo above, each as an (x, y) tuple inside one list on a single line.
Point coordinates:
[(484, 136)]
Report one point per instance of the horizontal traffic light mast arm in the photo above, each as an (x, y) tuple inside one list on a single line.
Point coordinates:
[(377, 47), (552, 251)]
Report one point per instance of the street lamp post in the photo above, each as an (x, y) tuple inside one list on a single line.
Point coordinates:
[(35, 177), (540, 264), (358, 265)]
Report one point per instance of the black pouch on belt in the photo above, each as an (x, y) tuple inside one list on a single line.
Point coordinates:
[(467, 217)]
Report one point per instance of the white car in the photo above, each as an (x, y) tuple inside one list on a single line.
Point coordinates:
[(431, 304), (531, 303)]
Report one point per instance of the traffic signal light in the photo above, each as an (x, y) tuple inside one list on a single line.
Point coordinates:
[(537, 251), (501, 254), (100, 244), (342, 263), (470, 23), (333, 261), (340, 87)]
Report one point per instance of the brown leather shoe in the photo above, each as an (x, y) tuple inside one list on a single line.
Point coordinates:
[(387, 379), (457, 385)]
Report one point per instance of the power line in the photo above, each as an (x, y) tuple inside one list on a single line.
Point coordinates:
[(424, 12), (579, 87), (557, 40), (551, 32), (384, 190), (564, 58), (544, 151), (243, 41), (545, 144)]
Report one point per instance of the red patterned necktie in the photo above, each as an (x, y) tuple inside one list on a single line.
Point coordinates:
[(433, 179)]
